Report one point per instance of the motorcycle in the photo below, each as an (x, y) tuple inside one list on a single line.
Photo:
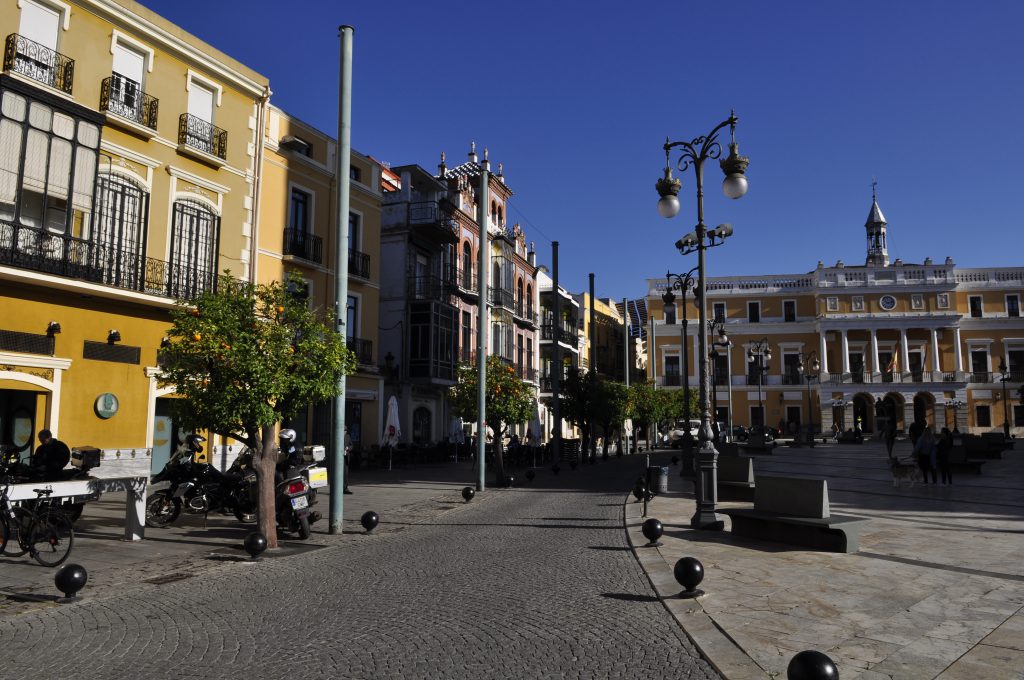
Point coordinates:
[(199, 488)]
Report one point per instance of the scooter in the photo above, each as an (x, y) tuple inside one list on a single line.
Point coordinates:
[(294, 494)]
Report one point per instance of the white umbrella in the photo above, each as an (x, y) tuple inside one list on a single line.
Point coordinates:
[(392, 428), (456, 435), (534, 431)]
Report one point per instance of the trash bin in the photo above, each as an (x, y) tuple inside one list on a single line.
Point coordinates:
[(658, 477)]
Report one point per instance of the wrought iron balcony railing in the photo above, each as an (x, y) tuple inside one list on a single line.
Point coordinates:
[(568, 337), (62, 255), (430, 288), (467, 281), (39, 63), (202, 135), (527, 373), (358, 264), (363, 350), (980, 377), (301, 243), (792, 378), (124, 97), (502, 298), (433, 214)]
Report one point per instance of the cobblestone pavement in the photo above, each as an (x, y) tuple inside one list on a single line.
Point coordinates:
[(521, 583)]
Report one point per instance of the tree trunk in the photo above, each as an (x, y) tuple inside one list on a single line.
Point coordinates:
[(266, 465)]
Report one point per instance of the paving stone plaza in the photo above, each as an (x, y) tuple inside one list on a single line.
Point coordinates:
[(547, 580)]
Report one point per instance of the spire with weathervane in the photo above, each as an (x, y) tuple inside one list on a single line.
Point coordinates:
[(878, 251)]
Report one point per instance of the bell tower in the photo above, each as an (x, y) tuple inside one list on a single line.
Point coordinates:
[(878, 252)]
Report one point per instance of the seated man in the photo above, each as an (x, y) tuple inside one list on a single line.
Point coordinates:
[(50, 457)]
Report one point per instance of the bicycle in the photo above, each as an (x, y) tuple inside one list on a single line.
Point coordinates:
[(39, 528)]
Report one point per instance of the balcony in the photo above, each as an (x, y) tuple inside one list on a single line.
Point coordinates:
[(196, 133), (434, 220), (363, 350), (525, 314), (527, 373), (502, 298), (39, 63), (125, 98), (301, 243), (980, 377), (792, 378), (566, 337), (358, 264), (467, 283), (430, 288), (62, 255)]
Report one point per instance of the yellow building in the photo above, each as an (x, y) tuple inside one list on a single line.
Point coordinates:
[(128, 164), (298, 233), (932, 341), (601, 346)]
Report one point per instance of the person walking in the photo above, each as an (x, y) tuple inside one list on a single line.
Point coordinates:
[(890, 436), (348, 452), (925, 452), (835, 431), (943, 449), (916, 428)]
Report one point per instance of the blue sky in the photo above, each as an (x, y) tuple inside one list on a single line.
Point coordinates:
[(576, 99)]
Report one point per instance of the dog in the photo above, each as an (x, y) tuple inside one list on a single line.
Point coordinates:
[(904, 470)]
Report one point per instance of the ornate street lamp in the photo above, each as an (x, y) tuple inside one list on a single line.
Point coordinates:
[(717, 327), (694, 153), (1004, 377), (758, 356), (682, 283), (810, 367), (956, 405)]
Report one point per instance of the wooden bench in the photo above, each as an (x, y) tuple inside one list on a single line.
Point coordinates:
[(958, 460), (795, 510), (735, 478)]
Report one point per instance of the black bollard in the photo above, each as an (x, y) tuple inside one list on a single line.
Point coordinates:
[(689, 572), (70, 579), (653, 530), (369, 520), (530, 474), (254, 544), (639, 489), (468, 492), (509, 481), (811, 665)]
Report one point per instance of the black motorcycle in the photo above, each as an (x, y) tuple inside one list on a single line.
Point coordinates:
[(199, 488)]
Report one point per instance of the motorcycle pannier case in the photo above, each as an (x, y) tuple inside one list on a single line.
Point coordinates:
[(85, 457), (313, 454)]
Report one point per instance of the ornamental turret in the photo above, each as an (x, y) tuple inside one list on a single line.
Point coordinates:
[(878, 251)]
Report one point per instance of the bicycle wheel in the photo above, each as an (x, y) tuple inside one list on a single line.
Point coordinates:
[(5, 532), (51, 539), (16, 544)]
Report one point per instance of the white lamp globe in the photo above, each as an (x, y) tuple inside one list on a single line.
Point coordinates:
[(668, 206), (734, 186)]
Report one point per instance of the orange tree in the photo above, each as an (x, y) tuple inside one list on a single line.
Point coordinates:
[(245, 358), (509, 401)]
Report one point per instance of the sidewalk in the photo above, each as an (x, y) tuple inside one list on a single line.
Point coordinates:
[(936, 591), (401, 497)]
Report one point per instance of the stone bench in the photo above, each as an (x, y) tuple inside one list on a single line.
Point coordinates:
[(958, 460), (735, 478), (978, 446), (795, 510)]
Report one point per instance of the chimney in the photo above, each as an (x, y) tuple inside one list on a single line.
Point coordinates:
[(531, 256)]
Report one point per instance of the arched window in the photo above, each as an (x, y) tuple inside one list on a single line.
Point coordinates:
[(519, 297), (467, 265), (195, 238), (529, 300), (501, 215), (122, 207)]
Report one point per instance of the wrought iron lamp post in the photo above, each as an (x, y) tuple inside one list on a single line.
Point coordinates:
[(1004, 377), (682, 283), (694, 153), (810, 367), (956, 405), (759, 355), (717, 326)]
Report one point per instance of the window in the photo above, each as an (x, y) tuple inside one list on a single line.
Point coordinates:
[(467, 336), (129, 69), (789, 310), (718, 312), (1012, 305), (983, 416), (40, 24), (670, 314), (832, 304), (757, 416), (467, 266), (979, 365), (529, 300), (53, 189), (975, 303), (355, 231), (672, 370), (520, 350), (355, 174), (121, 223), (529, 355), (1018, 415), (753, 312), (942, 300), (195, 236), (299, 217), (421, 422), (352, 317), (917, 301), (791, 369), (856, 303)]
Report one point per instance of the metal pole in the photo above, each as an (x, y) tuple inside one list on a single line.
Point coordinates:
[(481, 332), (684, 337), (625, 362), (728, 371), (592, 340), (343, 167), (556, 362)]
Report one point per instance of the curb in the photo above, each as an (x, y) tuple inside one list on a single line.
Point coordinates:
[(713, 643)]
